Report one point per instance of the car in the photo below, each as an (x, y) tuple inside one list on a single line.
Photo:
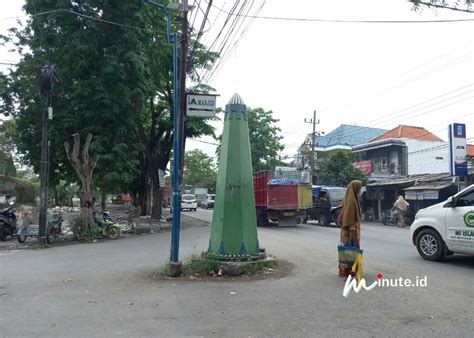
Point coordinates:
[(188, 201), (445, 228), (326, 204), (208, 202)]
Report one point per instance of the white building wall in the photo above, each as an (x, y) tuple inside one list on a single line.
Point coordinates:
[(427, 157)]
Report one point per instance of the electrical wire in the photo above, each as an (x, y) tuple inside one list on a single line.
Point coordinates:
[(351, 21), (235, 24)]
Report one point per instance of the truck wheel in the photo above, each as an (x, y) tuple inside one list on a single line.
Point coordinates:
[(262, 219), (324, 219), (430, 245), (21, 239)]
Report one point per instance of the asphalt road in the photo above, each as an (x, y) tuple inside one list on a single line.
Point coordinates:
[(103, 289)]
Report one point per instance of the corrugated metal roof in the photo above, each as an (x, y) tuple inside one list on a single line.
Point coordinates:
[(432, 186), (348, 135), (418, 180)]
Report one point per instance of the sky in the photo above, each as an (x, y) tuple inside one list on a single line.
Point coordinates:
[(369, 74)]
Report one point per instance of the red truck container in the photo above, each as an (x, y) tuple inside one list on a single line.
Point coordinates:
[(280, 204)]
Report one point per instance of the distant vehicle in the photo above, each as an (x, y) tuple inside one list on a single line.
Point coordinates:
[(7, 222), (326, 200), (208, 202), (280, 202), (445, 228), (188, 201)]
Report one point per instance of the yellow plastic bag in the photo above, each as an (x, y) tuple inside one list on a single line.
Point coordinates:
[(357, 267)]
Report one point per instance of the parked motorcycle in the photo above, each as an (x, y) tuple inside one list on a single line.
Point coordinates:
[(53, 229), (105, 227), (7, 222)]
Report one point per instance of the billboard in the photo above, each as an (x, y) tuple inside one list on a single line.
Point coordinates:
[(457, 149), (365, 166)]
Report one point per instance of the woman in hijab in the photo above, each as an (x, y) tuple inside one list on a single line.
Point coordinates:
[(350, 228), (401, 207)]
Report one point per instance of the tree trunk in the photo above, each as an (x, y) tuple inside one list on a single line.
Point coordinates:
[(102, 201), (147, 196), (154, 179), (56, 196), (142, 195), (156, 209), (84, 167)]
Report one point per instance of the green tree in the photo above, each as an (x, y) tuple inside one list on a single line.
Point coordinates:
[(264, 139), (199, 169), (7, 147), (113, 82), (454, 5), (339, 170)]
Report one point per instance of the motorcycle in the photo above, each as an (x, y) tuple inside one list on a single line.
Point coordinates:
[(53, 229), (7, 222), (390, 217), (105, 227)]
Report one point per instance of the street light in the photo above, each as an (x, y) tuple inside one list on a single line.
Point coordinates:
[(175, 264)]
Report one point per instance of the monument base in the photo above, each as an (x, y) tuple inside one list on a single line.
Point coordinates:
[(237, 268)]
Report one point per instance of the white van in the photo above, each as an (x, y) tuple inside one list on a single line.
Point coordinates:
[(445, 228), (189, 201)]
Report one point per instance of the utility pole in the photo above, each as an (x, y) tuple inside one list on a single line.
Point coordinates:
[(314, 122), (182, 80), (46, 86)]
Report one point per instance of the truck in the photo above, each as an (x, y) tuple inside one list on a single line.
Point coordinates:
[(280, 202), (326, 204)]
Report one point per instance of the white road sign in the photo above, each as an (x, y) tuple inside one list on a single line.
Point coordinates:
[(199, 105)]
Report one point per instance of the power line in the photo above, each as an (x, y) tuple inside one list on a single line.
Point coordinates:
[(221, 45), (226, 54), (385, 121), (206, 142), (236, 23), (348, 21)]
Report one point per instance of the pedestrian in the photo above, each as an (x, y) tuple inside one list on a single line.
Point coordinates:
[(350, 224), (401, 207)]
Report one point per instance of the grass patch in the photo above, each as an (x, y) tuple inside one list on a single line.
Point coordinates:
[(193, 265), (198, 265)]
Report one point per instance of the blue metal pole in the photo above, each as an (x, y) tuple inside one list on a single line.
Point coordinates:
[(174, 254), (176, 156)]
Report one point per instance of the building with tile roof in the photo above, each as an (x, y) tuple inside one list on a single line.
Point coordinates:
[(343, 138), (410, 132)]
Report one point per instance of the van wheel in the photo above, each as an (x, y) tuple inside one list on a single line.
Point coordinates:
[(324, 219), (430, 245)]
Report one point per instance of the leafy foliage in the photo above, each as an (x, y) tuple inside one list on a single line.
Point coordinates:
[(113, 81), (455, 5), (199, 169), (264, 140), (339, 170)]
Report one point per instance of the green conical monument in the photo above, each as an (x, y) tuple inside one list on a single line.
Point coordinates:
[(234, 224)]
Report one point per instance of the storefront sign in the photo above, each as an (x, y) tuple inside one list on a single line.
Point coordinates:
[(365, 166)]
